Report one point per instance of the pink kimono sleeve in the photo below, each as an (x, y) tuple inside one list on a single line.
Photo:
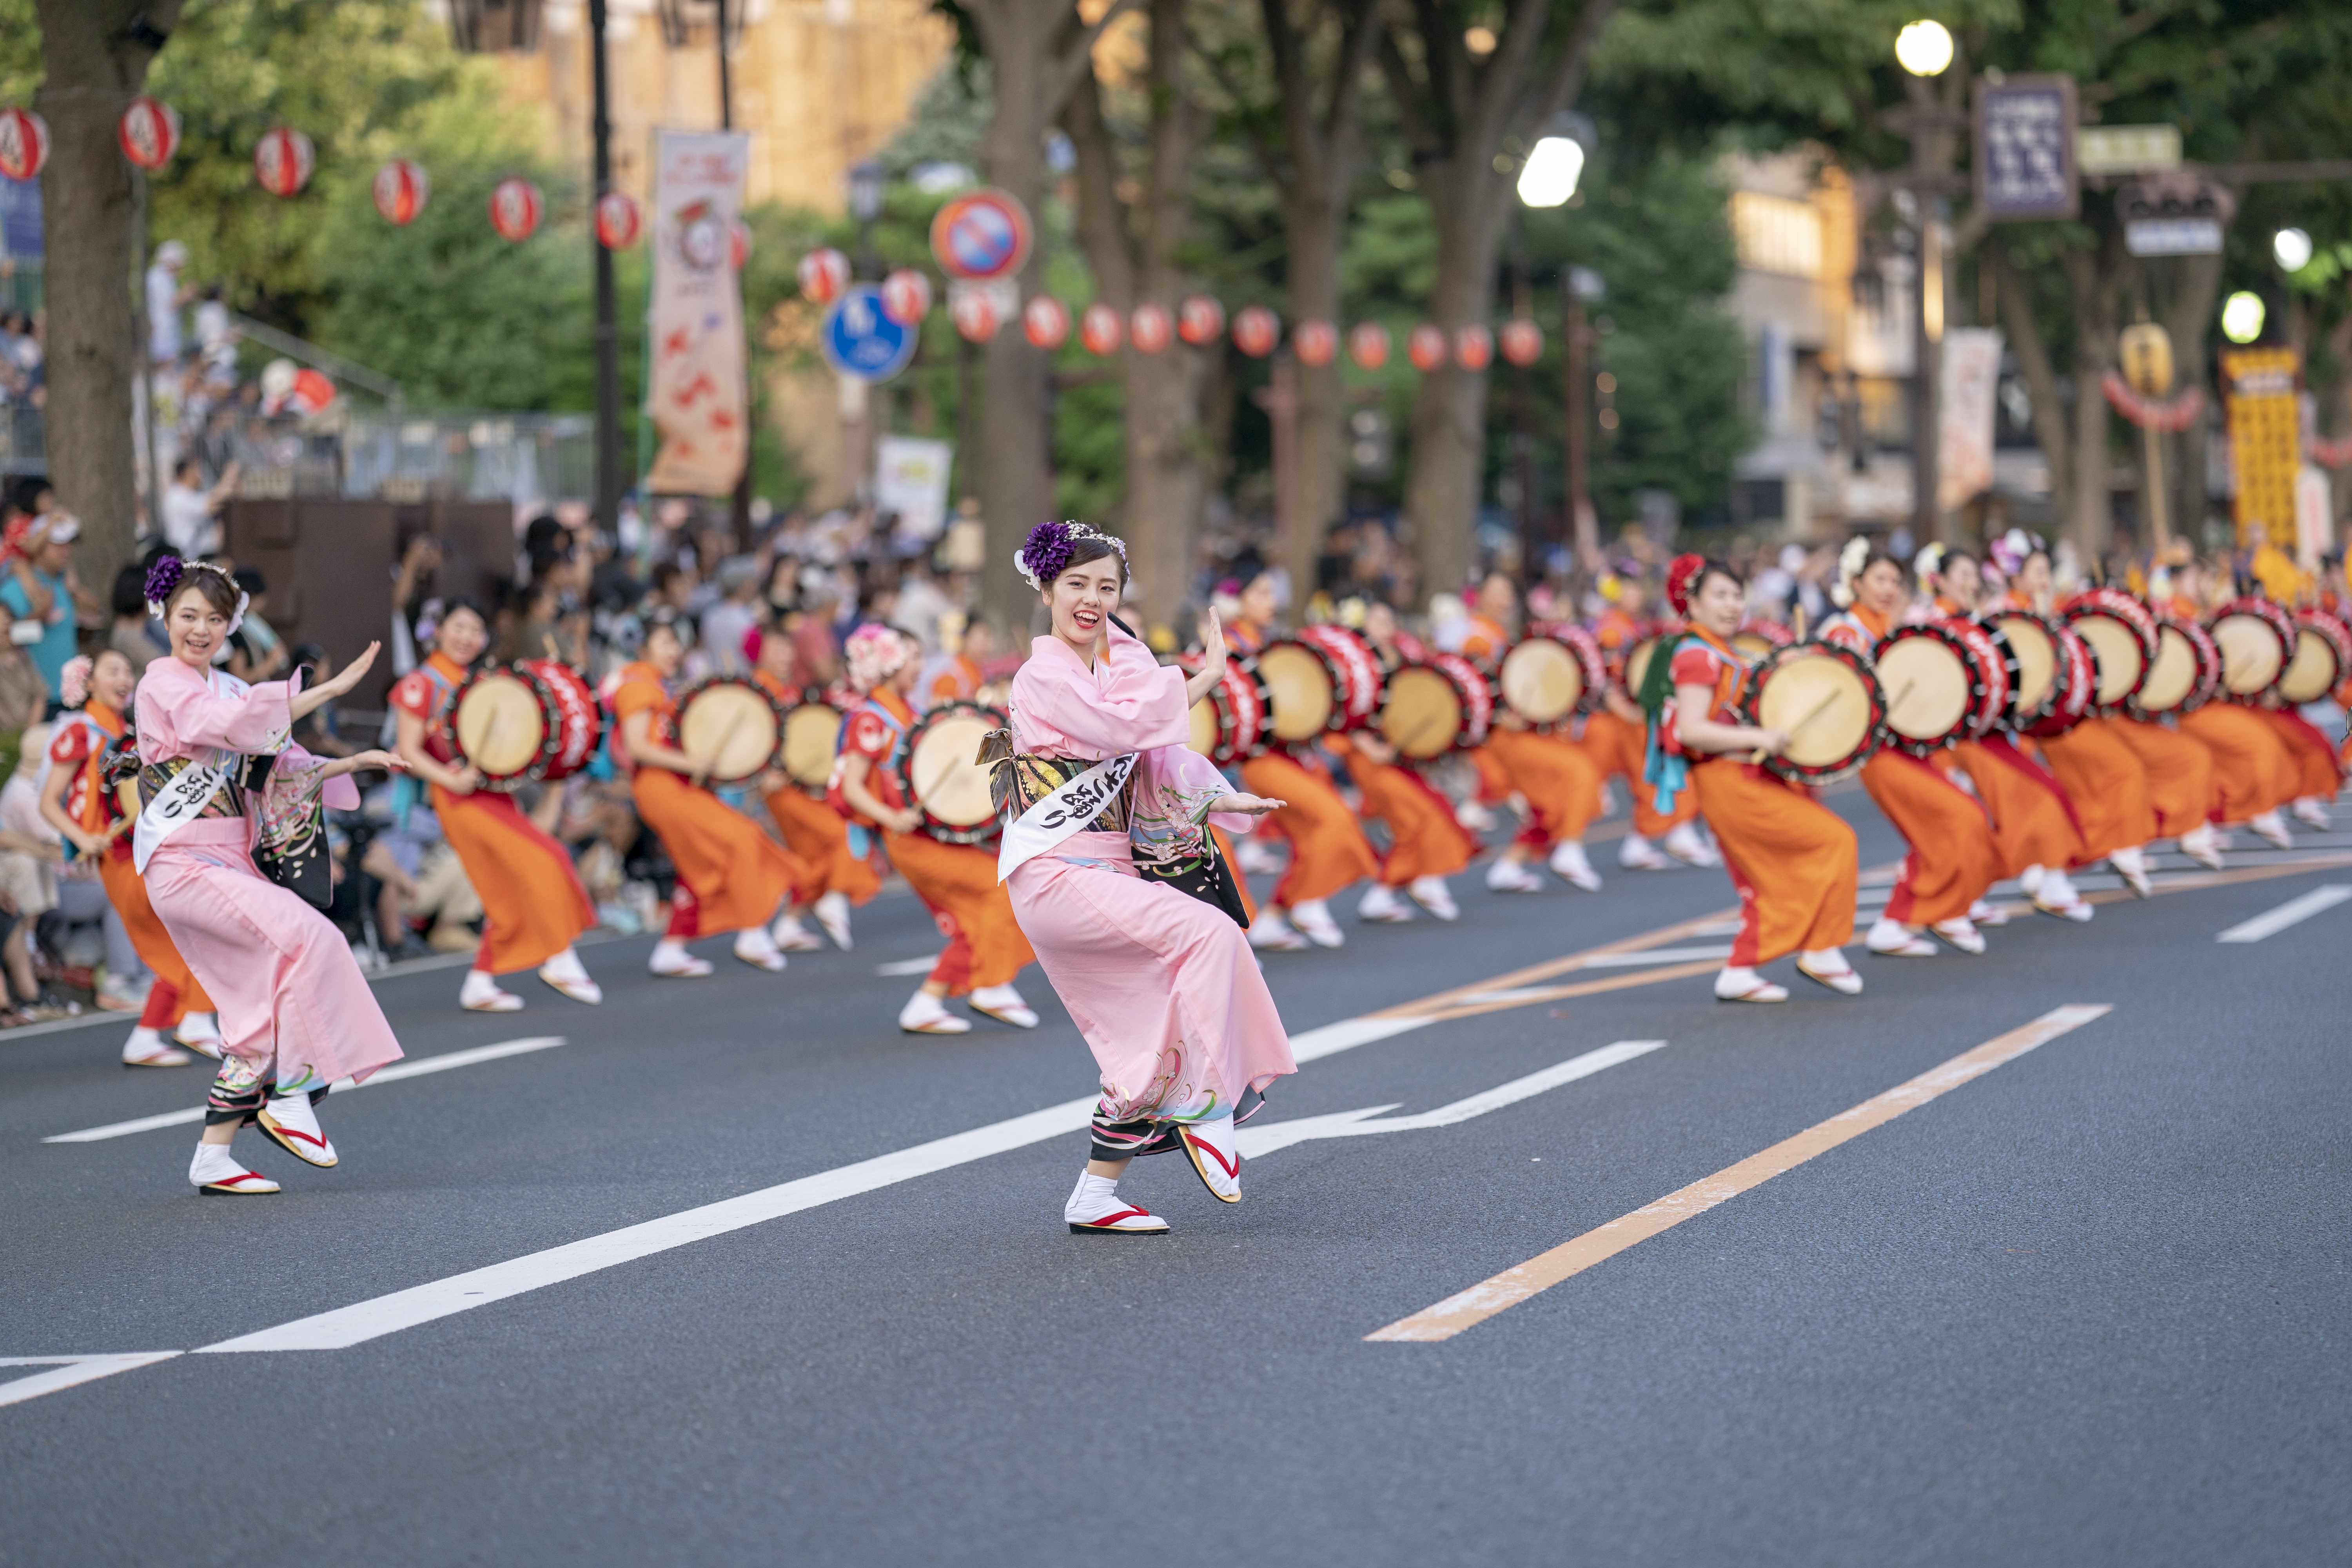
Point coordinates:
[(179, 712), (1128, 703)]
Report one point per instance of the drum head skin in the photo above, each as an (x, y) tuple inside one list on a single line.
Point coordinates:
[(1541, 680), (1926, 684), (944, 779), (732, 724), (1637, 666), (2037, 661), (812, 730), (500, 726), (2122, 665), (1825, 705), (2251, 658), (2173, 676), (2311, 674), (1203, 736), (1422, 716), (1298, 685)]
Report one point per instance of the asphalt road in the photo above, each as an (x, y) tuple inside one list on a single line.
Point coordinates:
[(2087, 1307)]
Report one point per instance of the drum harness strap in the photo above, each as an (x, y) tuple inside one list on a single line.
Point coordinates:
[(861, 841)]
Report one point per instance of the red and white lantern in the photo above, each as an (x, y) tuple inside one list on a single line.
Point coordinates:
[(739, 243), (1522, 341), (974, 313), (1200, 321), (24, 143), (282, 161), (905, 296), (1150, 329), (1367, 345), (1425, 346), (619, 220), (515, 207), (149, 133), (1045, 323), (1255, 332), (823, 275), (1317, 343), (1100, 330), (1474, 347), (401, 191)]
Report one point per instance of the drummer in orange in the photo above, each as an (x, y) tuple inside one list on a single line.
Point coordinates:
[(1953, 857), (1491, 616), (958, 677), (1329, 851), (1427, 843), (533, 905), (1616, 736), (1795, 863), (833, 876), (957, 882), (2254, 775), (731, 876), (2316, 774), (75, 801), (1557, 778)]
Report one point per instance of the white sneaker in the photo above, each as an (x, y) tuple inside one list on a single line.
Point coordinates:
[(790, 936), (1432, 894), (215, 1170), (1893, 939), (2131, 865), (925, 1013), (1828, 967), (1962, 933), (1635, 853), (146, 1049), (2271, 828), (1381, 905), (833, 917), (290, 1121), (200, 1032), (1271, 933), (2312, 812), (1508, 876), (1988, 915), (481, 994), (2202, 844), (1685, 843), (754, 947), (1570, 866), (1313, 919), (1095, 1209), (1475, 816), (672, 961), (569, 975), (1004, 1004), (1215, 1157), (1740, 984)]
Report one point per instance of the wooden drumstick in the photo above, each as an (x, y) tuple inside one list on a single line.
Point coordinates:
[(1896, 701), (1819, 709)]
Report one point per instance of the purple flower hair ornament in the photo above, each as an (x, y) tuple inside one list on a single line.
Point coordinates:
[(163, 578), (1045, 555)]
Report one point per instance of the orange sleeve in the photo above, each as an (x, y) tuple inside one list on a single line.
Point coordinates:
[(413, 693), (71, 746), (635, 697)]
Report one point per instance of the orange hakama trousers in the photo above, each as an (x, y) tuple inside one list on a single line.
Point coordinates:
[(818, 837), (1795, 865), (1954, 857), (2317, 773), (533, 903), (1328, 850), (1425, 839), (957, 882), (176, 992), (2179, 774), (2108, 784), (1556, 779), (1620, 751), (733, 874), (2032, 820), (2252, 771)]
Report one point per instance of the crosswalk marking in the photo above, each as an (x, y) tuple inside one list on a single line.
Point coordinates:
[(2293, 913)]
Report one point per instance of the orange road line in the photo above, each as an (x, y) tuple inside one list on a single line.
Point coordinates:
[(1470, 1308)]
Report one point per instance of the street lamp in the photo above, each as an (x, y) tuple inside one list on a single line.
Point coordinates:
[(2241, 317), (1548, 176), (866, 178), (2292, 247), (1924, 48)]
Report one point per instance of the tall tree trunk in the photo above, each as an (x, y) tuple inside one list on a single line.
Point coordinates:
[(1315, 224), (2186, 309), (2092, 279), (2051, 431), (1449, 406), (94, 68)]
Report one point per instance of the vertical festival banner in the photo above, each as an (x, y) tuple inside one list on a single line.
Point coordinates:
[(2258, 387), (697, 396), (1970, 379)]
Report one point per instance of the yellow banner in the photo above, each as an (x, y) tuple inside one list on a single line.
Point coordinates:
[(2261, 387)]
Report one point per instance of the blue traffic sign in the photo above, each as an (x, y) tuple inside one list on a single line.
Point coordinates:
[(858, 340)]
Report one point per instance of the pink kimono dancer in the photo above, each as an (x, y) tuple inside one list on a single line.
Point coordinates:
[(295, 1013), (1162, 984)]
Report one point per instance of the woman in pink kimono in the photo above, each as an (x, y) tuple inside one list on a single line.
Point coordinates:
[(1117, 885), (216, 776)]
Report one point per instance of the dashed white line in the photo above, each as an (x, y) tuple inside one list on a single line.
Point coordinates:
[(1257, 1141), (2293, 913)]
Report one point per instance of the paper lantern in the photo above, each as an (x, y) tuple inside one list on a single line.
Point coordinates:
[(400, 192), (1255, 332), (1474, 347), (1425, 346), (905, 296), (282, 161), (1317, 342), (1200, 321), (974, 313), (823, 275), (1045, 323), (739, 243), (1150, 329), (149, 133), (619, 220), (1100, 330), (1522, 341), (24, 143), (1368, 345), (514, 209)]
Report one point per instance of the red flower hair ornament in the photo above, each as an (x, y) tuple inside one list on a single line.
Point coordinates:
[(1681, 577)]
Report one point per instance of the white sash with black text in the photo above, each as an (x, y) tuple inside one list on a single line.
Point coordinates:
[(1063, 813)]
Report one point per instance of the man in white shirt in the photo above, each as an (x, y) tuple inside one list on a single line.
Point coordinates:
[(164, 298), (192, 514)]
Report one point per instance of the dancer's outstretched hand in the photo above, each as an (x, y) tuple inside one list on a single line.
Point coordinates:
[(1245, 805)]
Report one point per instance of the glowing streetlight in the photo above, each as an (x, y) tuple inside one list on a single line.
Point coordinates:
[(1548, 176), (2241, 317), (2291, 246), (1924, 48)]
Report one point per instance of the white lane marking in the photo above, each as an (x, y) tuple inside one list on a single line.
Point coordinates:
[(907, 966), (1347, 1034), (2293, 912), (68, 1371), (1712, 928), (1656, 955), (1259, 1141), (415, 1067)]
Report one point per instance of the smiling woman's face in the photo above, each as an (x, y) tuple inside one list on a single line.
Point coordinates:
[(197, 629), (1081, 599)]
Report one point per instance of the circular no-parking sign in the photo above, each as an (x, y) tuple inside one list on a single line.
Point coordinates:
[(858, 340), (982, 235)]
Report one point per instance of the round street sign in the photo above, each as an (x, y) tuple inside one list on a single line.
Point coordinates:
[(858, 340), (982, 235)]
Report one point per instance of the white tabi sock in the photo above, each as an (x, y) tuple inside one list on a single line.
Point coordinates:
[(1090, 1198)]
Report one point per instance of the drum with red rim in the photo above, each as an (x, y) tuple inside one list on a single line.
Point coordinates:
[(2184, 672), (1756, 638), (2122, 632), (2078, 693), (1431, 707), (1229, 720), (1826, 698), (1935, 684), (1359, 664), (940, 778), (2322, 657), (2256, 638), (1549, 676), (529, 722), (1996, 669), (811, 735), (1314, 687), (732, 724), (2032, 641)]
